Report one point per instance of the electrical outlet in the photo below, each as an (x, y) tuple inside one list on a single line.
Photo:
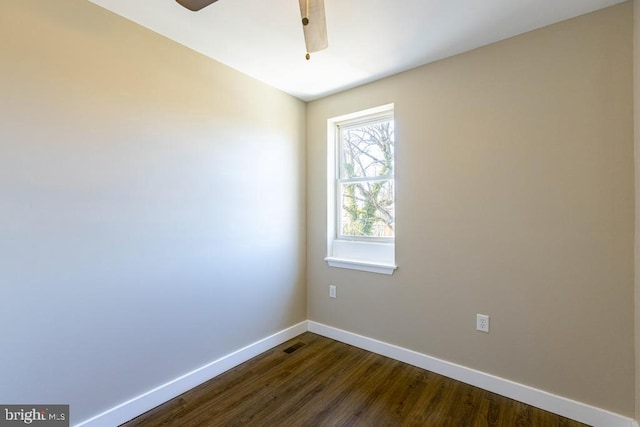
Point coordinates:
[(332, 291), (482, 323)]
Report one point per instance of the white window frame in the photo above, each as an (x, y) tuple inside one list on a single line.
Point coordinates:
[(375, 255)]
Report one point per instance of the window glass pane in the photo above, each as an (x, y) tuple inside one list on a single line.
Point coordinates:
[(367, 209), (367, 150)]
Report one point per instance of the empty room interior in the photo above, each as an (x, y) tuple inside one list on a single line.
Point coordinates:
[(178, 197)]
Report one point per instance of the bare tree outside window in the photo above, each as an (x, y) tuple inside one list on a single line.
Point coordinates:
[(366, 184)]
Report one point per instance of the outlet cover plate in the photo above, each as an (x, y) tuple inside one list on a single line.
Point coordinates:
[(482, 323)]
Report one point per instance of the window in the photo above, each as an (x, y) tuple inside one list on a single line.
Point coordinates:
[(361, 225)]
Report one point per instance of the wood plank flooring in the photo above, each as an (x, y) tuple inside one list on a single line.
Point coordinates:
[(322, 382)]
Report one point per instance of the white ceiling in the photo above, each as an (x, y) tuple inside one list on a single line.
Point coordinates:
[(368, 39)]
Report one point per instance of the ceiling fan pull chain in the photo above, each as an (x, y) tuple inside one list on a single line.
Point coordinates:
[(305, 22)]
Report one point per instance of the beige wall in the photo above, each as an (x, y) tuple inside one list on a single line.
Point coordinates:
[(636, 121), (514, 199), (151, 208)]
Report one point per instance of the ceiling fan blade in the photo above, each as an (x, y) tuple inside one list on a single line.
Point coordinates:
[(196, 5), (315, 32)]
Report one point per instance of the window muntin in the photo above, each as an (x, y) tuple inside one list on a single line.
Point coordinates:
[(365, 179)]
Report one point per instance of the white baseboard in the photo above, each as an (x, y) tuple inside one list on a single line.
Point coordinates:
[(541, 399), (549, 402), (149, 400)]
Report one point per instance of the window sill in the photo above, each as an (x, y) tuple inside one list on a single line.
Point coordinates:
[(352, 264)]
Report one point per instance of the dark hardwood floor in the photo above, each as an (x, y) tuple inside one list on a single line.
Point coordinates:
[(323, 382)]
